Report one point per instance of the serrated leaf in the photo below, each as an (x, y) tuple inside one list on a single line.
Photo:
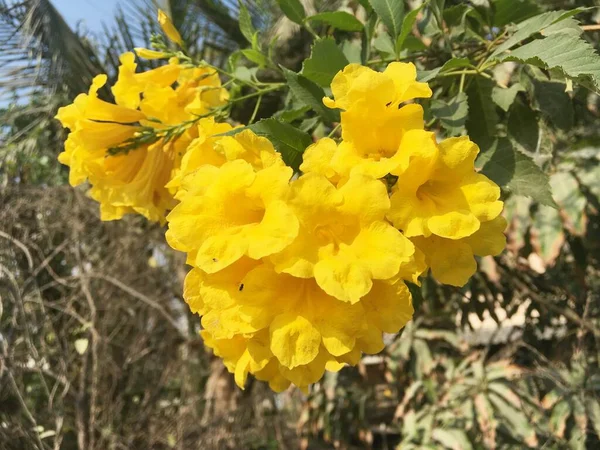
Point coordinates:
[(391, 13), (517, 172), (483, 118), (452, 113), (504, 97), (513, 11), (523, 126), (532, 26), (255, 56), (245, 21), (550, 98), (427, 75), (293, 114), (310, 94), (351, 50), (407, 25), (568, 54), (293, 10), (339, 19), (326, 59), (452, 438), (287, 139), (383, 42), (456, 63)]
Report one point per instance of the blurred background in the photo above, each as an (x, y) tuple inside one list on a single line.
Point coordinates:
[(99, 351)]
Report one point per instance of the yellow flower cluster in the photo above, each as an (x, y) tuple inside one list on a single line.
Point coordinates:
[(293, 274), (147, 104), (297, 275), (447, 210)]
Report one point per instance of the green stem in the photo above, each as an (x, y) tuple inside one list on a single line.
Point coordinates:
[(259, 93), (255, 110), (334, 130)]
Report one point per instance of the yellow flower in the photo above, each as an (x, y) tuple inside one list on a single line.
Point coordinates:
[(168, 28), (150, 54), (359, 85), (318, 157), (201, 151), (438, 192), (344, 241), (388, 308), (452, 261), (373, 120), (131, 84), (135, 181), (232, 211)]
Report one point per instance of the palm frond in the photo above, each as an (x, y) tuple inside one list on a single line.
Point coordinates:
[(39, 50)]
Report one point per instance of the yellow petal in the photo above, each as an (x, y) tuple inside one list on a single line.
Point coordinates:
[(168, 28), (294, 340), (150, 54), (490, 238)]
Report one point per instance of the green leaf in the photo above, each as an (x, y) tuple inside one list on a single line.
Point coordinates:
[(553, 102), (407, 25), (568, 54), (384, 43), (427, 75), (571, 201), (452, 113), (532, 26), (513, 11), (310, 94), (558, 419), (516, 172), (523, 126), (592, 406), (456, 63), (293, 10), (504, 97), (293, 114), (246, 26), (326, 59), (391, 13), (517, 423), (287, 139), (367, 36), (483, 118), (255, 56), (547, 228), (452, 438), (351, 50), (339, 19)]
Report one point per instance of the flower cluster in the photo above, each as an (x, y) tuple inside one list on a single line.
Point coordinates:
[(145, 134), (292, 274), (297, 275)]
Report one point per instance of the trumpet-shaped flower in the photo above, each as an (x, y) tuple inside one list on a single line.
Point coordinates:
[(343, 241), (373, 118), (452, 261), (134, 180), (232, 211), (438, 192)]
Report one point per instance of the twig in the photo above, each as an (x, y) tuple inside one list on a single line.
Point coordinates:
[(152, 303)]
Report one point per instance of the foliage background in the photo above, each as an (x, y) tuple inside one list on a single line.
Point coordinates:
[(98, 351)]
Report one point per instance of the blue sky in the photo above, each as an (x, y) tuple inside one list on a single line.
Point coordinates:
[(90, 13)]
